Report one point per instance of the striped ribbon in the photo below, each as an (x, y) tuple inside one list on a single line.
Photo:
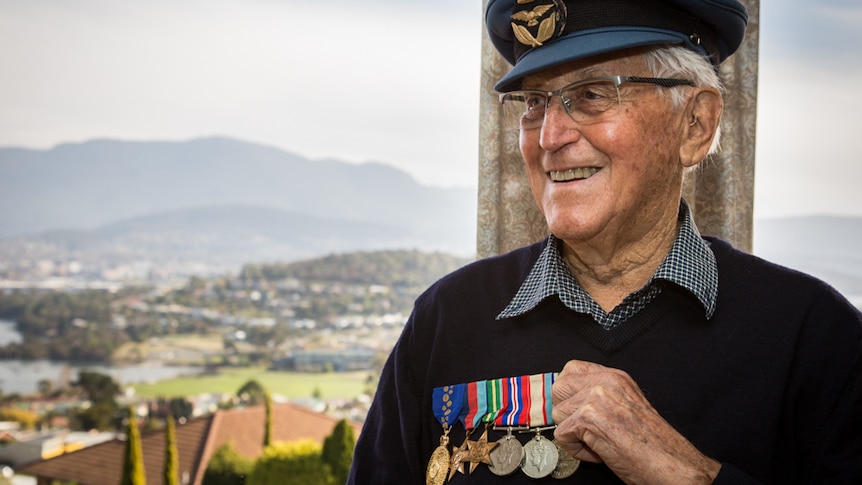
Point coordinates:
[(527, 400), (507, 401), (477, 404), (494, 401)]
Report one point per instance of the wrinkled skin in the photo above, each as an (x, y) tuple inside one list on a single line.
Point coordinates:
[(603, 416)]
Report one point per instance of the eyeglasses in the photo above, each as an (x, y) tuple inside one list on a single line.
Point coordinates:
[(585, 101)]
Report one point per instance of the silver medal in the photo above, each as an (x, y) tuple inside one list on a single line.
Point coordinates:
[(540, 457), (506, 457)]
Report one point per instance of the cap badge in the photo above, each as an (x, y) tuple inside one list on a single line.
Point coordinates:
[(536, 21)]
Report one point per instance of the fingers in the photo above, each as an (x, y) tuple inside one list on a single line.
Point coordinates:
[(603, 416), (578, 450), (581, 367)]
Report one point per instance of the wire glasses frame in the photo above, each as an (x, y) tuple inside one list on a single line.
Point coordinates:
[(585, 101)]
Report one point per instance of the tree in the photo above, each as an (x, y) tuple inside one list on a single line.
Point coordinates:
[(252, 393), (295, 463), (45, 387), (338, 450), (133, 458), (100, 390), (268, 423), (172, 460), (227, 467)]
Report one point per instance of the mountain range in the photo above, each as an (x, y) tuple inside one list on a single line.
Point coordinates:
[(229, 199), (222, 202)]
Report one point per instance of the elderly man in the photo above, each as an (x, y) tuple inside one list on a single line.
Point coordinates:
[(625, 347)]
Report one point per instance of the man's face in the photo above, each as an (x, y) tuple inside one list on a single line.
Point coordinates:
[(630, 158)]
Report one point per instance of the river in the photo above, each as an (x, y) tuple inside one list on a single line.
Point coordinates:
[(22, 377)]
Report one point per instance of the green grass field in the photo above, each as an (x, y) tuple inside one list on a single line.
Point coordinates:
[(289, 384)]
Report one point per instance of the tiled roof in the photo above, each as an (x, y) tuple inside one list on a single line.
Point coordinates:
[(196, 441)]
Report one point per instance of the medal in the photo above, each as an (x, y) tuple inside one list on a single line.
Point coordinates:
[(506, 457), (522, 403), (447, 402), (438, 465), (480, 451), (540, 456), (567, 464), (483, 407), (459, 456)]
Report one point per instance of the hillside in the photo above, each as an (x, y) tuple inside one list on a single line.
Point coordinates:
[(215, 202), (362, 285), (88, 185)]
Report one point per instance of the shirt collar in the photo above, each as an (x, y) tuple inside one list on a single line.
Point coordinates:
[(690, 264)]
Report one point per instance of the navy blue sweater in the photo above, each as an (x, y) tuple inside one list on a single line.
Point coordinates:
[(770, 386)]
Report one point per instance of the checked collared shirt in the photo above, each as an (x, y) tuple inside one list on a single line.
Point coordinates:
[(690, 264)]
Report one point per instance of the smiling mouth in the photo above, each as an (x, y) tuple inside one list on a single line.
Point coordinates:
[(572, 174)]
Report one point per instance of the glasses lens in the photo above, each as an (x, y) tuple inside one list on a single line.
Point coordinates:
[(584, 101), (590, 100), (524, 109)]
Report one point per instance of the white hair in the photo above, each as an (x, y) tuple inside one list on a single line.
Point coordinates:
[(677, 61)]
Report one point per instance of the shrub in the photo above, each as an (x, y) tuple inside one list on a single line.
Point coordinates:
[(296, 463), (227, 467)]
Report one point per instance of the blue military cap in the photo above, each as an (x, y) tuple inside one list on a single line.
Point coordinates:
[(537, 34)]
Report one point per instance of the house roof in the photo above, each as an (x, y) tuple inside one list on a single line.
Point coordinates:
[(196, 441)]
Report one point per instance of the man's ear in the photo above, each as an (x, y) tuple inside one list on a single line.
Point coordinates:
[(703, 114)]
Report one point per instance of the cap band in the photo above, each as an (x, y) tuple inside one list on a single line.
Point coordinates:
[(535, 22)]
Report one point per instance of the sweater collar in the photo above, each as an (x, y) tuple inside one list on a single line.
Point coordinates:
[(690, 264)]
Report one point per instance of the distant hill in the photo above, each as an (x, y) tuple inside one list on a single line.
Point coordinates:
[(233, 200), (397, 269), (87, 185)]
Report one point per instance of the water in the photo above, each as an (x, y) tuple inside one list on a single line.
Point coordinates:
[(8, 334), (22, 377)]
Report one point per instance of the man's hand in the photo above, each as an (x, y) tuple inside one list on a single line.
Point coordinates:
[(603, 416)]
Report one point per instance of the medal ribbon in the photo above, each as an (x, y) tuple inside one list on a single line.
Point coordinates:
[(516, 401), (494, 400), (522, 400), (540, 399), (447, 403), (477, 404), (508, 401)]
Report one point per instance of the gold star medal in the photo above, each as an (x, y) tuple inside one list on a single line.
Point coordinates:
[(459, 456), (480, 451)]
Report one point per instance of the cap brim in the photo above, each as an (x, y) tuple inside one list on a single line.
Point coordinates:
[(584, 44)]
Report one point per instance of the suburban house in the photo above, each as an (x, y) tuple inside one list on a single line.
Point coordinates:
[(196, 441)]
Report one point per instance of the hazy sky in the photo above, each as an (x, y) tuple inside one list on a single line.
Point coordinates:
[(393, 81)]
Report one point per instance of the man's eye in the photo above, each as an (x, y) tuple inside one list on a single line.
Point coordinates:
[(534, 102), (592, 93)]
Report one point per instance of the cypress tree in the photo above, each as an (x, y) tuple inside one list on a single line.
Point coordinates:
[(268, 423), (338, 450), (133, 459), (172, 460)]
